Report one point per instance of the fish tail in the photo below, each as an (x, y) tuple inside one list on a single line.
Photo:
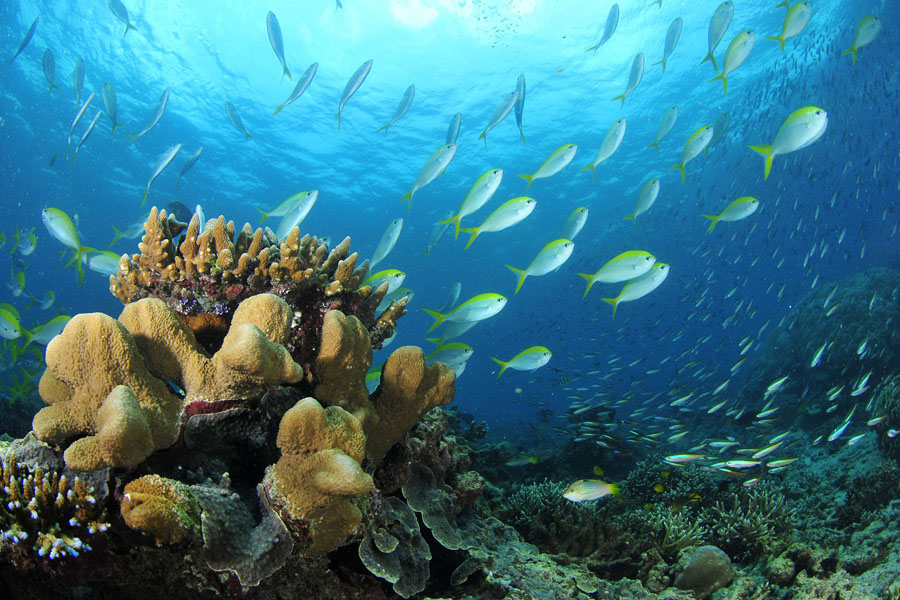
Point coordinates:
[(503, 365), (436, 340), (614, 489), (264, 214), (33, 300), (520, 276), (591, 166), (132, 138), (144, 197), (680, 166), (851, 49), (663, 63), (456, 221), (114, 125), (655, 145), (53, 86), (278, 109), (779, 38), (528, 178), (474, 231), (622, 96), (385, 127), (713, 218), (594, 48), (615, 304), (724, 81), (339, 120), (118, 235), (590, 280), (286, 72), (483, 136), (407, 197), (766, 151), (632, 219), (438, 319), (127, 27), (782, 4), (522, 135)]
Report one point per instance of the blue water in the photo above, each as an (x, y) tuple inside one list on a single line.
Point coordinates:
[(465, 56)]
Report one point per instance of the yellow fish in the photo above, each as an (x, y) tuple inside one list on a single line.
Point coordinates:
[(590, 489)]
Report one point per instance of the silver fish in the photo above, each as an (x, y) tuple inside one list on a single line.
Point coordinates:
[(453, 129), (612, 21), (235, 119), (78, 76), (718, 25), (353, 84), (277, 41), (520, 103), (121, 13), (161, 163), (452, 297), (500, 113), (387, 242), (49, 64), (75, 122), (157, 115), (300, 87), (86, 134), (111, 104), (405, 102), (719, 129), (294, 218), (187, 167), (28, 35), (673, 34), (634, 78), (440, 228)]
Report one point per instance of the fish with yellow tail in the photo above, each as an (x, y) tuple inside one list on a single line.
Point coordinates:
[(277, 42), (549, 259), (665, 126), (590, 489), (504, 216), (477, 308), (434, 166), (673, 34), (301, 86), (801, 129), (634, 78), (645, 200), (866, 32), (738, 51), (575, 222), (405, 102), (10, 329), (526, 360), (696, 144), (61, 227), (739, 209), (557, 161), (610, 144), (796, 19), (612, 21), (162, 162), (718, 25), (481, 191), (352, 85), (623, 267), (501, 112), (640, 286)]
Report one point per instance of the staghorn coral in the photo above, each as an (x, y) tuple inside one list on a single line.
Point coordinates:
[(161, 507), (757, 522), (670, 532)]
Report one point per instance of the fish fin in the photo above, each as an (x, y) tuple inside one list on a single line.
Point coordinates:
[(132, 138), (436, 340), (594, 48), (783, 4), (779, 38), (522, 135), (474, 231), (408, 197), (503, 365), (851, 49), (127, 27), (143, 198), (339, 120), (663, 63), (615, 304), (264, 214), (528, 178), (115, 239), (724, 81), (632, 219), (592, 167), (655, 145), (438, 318), (766, 151), (456, 221), (622, 96), (114, 125), (715, 220), (483, 136), (385, 127), (614, 489), (53, 86), (286, 72), (520, 276), (278, 109), (30, 304), (681, 167), (590, 280)]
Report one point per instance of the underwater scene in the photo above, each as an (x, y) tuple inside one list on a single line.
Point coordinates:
[(450, 299)]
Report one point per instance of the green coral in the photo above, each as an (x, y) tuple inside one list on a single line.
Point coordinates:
[(670, 531), (757, 522)]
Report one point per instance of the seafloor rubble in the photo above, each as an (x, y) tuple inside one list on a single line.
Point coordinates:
[(217, 439)]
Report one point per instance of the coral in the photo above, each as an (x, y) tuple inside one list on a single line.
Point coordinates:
[(344, 358), (434, 504), (868, 493), (671, 532), (887, 404), (46, 513), (393, 548), (708, 569), (757, 522), (161, 507), (319, 472)]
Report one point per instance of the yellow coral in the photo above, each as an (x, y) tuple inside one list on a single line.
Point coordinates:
[(161, 507), (345, 356)]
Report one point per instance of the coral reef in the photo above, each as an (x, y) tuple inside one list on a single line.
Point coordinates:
[(164, 508), (757, 522), (708, 569)]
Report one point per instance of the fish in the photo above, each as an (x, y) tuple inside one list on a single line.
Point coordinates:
[(866, 32), (529, 359), (78, 80), (476, 308), (102, 261), (434, 166), (387, 241), (26, 242), (17, 285), (61, 228), (612, 21), (718, 25), (111, 104), (575, 222), (352, 85), (479, 194), (741, 208), (287, 205), (301, 86), (520, 104), (673, 34), (438, 231), (645, 200), (640, 286), (405, 102), (503, 109), (555, 163), (46, 300), (298, 211), (506, 215), (625, 266), (154, 119), (85, 135), (680, 459), (719, 129), (452, 297), (550, 258), (277, 42), (665, 126), (521, 460), (187, 166), (634, 78), (164, 160), (75, 121), (28, 35), (121, 13), (695, 144), (451, 353), (48, 62), (738, 51), (42, 334), (10, 328), (453, 128), (131, 232), (802, 128), (235, 119), (794, 21), (610, 144), (590, 489), (393, 277)]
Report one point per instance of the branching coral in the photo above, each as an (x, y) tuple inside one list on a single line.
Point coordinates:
[(758, 521), (671, 531)]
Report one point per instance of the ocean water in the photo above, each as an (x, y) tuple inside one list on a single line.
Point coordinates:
[(826, 212)]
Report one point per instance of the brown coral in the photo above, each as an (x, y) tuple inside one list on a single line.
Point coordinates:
[(345, 356), (319, 472), (161, 507)]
